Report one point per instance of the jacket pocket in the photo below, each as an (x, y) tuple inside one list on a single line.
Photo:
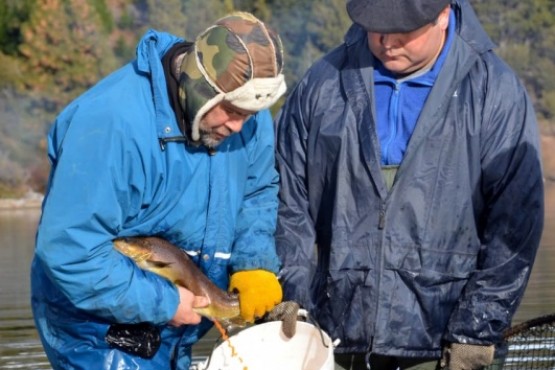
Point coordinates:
[(420, 291)]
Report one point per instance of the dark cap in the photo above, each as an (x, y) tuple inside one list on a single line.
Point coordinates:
[(394, 16)]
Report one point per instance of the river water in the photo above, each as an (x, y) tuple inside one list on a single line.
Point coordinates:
[(20, 347)]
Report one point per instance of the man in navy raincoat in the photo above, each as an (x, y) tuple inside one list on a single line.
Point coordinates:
[(178, 144), (411, 199)]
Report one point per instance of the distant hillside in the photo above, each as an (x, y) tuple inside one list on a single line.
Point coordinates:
[(51, 51)]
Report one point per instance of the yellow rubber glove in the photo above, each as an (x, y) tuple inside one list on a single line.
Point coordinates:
[(259, 291)]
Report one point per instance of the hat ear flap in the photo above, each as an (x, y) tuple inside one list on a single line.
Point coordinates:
[(195, 91)]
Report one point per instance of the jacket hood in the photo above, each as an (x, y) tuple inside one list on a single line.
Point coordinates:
[(153, 44), (150, 50)]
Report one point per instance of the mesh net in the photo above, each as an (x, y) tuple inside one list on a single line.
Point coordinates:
[(531, 345)]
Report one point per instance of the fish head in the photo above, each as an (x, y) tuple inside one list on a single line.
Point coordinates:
[(148, 256), (134, 249)]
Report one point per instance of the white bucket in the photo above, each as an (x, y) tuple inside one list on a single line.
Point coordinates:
[(265, 347)]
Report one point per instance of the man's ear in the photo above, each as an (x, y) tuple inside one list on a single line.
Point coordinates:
[(443, 18)]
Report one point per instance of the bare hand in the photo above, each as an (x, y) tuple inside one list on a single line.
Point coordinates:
[(185, 315)]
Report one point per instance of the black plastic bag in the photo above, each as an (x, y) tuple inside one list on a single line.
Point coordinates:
[(141, 339)]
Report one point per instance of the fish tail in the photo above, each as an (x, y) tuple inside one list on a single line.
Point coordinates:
[(214, 312)]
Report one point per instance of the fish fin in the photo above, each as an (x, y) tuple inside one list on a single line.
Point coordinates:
[(142, 257)]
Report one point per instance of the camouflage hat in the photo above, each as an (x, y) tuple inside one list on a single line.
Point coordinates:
[(238, 60)]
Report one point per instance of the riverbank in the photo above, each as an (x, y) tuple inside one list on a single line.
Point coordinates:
[(29, 200)]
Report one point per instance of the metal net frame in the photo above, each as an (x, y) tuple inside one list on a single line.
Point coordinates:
[(531, 345)]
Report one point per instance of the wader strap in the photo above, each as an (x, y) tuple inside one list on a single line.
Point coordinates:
[(389, 173)]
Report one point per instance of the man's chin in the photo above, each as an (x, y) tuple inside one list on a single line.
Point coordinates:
[(210, 142)]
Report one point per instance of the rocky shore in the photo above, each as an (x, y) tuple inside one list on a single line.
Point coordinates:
[(30, 200)]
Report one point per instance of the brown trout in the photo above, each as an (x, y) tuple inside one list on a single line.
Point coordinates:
[(165, 259)]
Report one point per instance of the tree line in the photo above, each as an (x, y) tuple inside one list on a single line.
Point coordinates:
[(53, 50)]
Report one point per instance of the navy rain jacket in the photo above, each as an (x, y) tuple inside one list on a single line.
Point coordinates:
[(447, 252)]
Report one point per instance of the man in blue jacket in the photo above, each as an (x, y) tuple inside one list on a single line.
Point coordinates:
[(179, 144), (411, 199)]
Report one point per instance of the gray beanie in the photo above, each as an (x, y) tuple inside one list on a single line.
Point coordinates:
[(394, 16)]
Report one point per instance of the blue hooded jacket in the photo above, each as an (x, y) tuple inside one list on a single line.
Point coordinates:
[(111, 178), (446, 253)]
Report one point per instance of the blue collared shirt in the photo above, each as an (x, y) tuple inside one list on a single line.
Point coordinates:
[(400, 101)]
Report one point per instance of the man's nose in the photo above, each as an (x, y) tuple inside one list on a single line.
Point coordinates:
[(388, 40)]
